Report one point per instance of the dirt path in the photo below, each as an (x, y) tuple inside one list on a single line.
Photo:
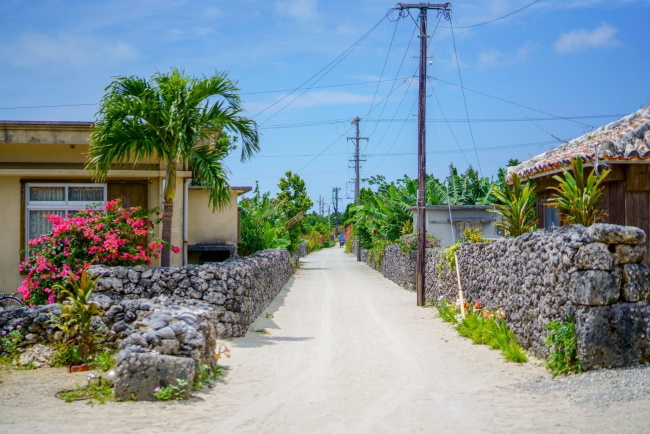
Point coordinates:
[(347, 351)]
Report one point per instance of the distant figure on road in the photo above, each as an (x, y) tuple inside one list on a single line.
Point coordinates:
[(341, 239)]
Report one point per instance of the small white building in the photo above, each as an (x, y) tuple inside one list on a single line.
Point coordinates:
[(448, 222)]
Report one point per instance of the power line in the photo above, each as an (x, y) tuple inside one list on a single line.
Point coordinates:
[(497, 19), (323, 71), (460, 77)]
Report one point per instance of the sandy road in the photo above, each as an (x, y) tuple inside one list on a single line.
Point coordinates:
[(347, 351)]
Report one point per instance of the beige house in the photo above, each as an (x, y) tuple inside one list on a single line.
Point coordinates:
[(42, 172)]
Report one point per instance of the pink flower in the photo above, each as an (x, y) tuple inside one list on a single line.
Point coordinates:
[(176, 249)]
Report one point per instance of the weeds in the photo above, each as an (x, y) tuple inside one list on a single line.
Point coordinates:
[(171, 392), (563, 345), (483, 327), (98, 393)]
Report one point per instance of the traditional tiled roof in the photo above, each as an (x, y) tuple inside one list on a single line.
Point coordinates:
[(627, 139)]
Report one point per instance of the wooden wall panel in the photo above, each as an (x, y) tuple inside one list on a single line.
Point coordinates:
[(637, 205), (131, 193)]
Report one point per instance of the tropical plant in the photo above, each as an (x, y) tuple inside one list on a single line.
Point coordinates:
[(177, 120), (294, 203), (263, 224), (577, 195), (516, 206), (112, 236), (77, 314), (10, 340)]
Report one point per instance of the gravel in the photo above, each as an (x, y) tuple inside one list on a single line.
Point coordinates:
[(598, 388)]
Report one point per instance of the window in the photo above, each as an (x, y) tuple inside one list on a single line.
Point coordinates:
[(551, 217), (60, 199)]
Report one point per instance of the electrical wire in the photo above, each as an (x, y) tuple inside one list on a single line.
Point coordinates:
[(497, 19), (460, 77), (324, 71), (383, 68)]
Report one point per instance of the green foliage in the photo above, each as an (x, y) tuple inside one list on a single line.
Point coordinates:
[(484, 327), (378, 251), (577, 196), (448, 254), (178, 120), (263, 224), (171, 392), (563, 345), (409, 242), (95, 393), (516, 205), (318, 232), (294, 203), (104, 360), (207, 375), (66, 355), (10, 340), (77, 314), (467, 188)]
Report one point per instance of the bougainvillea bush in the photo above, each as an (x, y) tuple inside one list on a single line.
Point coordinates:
[(112, 236)]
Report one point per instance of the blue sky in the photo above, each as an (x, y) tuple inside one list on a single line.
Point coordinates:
[(553, 70)]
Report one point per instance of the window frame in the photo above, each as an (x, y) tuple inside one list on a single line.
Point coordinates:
[(66, 205)]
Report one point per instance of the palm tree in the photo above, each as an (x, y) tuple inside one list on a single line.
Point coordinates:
[(179, 121)]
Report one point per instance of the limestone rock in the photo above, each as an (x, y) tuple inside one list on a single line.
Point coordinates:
[(629, 254), (594, 256), (636, 282), (612, 336), (595, 287), (139, 374), (613, 234)]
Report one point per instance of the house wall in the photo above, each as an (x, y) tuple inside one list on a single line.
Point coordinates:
[(56, 152), (206, 226), (465, 216)]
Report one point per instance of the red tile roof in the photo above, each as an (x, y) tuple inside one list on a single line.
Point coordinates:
[(627, 139)]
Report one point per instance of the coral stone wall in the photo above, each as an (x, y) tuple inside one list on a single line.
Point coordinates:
[(237, 290), (175, 310), (595, 274)]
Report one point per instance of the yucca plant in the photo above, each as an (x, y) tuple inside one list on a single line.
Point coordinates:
[(77, 313), (577, 195), (516, 207)]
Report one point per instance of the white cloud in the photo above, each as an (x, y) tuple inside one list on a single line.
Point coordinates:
[(35, 49), (580, 39), (493, 58), (303, 10)]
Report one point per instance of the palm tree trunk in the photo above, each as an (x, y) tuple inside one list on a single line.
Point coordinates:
[(168, 212)]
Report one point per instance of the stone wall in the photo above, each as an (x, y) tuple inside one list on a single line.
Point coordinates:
[(213, 300), (594, 274)]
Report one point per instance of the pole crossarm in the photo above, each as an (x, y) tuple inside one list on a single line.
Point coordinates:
[(439, 6)]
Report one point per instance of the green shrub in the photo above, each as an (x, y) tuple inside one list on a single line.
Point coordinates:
[(563, 345)]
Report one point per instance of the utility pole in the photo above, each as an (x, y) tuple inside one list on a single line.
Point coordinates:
[(321, 203), (357, 178), (335, 202), (444, 8)]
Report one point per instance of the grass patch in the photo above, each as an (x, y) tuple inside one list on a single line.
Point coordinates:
[(484, 327), (95, 394)]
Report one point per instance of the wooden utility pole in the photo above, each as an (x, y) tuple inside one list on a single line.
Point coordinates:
[(422, 141), (357, 179)]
